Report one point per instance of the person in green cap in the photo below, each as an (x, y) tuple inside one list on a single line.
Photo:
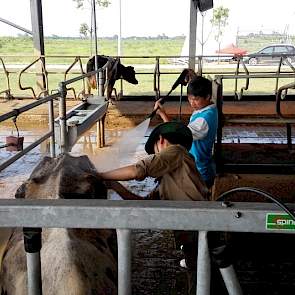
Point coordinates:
[(169, 162), (178, 179)]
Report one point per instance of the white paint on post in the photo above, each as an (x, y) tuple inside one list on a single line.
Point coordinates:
[(203, 265), (124, 261), (231, 281)]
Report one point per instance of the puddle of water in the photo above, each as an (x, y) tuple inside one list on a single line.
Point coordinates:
[(104, 159)]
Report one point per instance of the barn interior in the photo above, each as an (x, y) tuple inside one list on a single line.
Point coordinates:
[(255, 162)]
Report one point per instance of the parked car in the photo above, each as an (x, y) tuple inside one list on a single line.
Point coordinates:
[(272, 54)]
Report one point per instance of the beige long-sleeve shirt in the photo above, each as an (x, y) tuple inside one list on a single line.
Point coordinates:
[(179, 179)]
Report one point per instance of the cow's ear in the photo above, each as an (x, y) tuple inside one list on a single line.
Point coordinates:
[(21, 191)]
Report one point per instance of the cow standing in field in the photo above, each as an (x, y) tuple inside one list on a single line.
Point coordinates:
[(74, 261), (115, 71)]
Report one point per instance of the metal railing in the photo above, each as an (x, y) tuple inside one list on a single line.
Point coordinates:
[(279, 118), (62, 119), (62, 109), (51, 134), (157, 74), (6, 73), (44, 75), (83, 91), (128, 215)]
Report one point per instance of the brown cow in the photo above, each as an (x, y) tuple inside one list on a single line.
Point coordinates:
[(74, 261)]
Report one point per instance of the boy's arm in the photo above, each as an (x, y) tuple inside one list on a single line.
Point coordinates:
[(161, 111), (122, 190), (124, 173), (199, 128)]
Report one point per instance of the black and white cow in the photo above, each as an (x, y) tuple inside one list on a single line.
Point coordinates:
[(115, 71)]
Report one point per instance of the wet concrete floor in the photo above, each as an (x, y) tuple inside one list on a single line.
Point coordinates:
[(155, 260)]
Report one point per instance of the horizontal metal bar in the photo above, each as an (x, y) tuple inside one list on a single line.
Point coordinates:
[(70, 81), (226, 77), (27, 107), (16, 26), (208, 216), (258, 120), (25, 151)]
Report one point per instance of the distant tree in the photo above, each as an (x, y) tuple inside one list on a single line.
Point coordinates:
[(84, 30), (102, 3), (203, 40), (219, 21)]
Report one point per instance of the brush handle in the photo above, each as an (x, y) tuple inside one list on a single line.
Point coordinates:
[(153, 113)]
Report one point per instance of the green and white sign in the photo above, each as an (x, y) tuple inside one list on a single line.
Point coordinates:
[(279, 222)]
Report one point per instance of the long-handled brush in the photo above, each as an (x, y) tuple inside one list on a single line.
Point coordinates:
[(181, 80)]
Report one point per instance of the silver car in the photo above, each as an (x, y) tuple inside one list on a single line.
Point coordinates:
[(272, 54)]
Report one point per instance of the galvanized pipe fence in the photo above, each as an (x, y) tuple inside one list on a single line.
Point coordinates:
[(62, 119), (157, 74), (125, 216), (278, 119)]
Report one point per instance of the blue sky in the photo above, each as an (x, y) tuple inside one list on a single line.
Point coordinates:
[(149, 17)]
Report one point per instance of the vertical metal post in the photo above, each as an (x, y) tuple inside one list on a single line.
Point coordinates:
[(200, 65), (34, 273), (289, 136), (38, 38), (231, 281), (32, 242), (95, 41), (120, 95), (51, 127), (203, 265), (62, 118), (124, 261), (103, 130), (120, 29), (192, 34), (101, 81), (158, 76), (98, 134), (219, 104)]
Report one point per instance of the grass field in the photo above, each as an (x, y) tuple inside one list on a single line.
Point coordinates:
[(20, 51), (81, 47)]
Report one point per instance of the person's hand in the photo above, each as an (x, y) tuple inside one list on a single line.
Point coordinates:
[(160, 110), (158, 105)]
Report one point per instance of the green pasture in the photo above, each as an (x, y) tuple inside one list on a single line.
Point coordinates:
[(22, 49), (19, 51)]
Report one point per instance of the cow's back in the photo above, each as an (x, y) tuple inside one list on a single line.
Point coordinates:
[(73, 261)]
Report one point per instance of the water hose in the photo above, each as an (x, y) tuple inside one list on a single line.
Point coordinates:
[(223, 196)]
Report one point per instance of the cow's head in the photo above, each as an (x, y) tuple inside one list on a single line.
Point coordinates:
[(128, 74), (65, 177)]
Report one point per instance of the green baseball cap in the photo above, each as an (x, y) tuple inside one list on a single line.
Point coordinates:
[(177, 133)]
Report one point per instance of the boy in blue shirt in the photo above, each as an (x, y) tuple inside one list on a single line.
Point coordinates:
[(203, 124)]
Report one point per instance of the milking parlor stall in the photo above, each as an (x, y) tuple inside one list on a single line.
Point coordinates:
[(63, 230)]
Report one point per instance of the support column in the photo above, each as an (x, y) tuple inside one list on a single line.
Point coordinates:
[(192, 34), (38, 38)]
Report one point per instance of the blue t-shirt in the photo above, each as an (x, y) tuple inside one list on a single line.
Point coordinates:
[(202, 148)]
